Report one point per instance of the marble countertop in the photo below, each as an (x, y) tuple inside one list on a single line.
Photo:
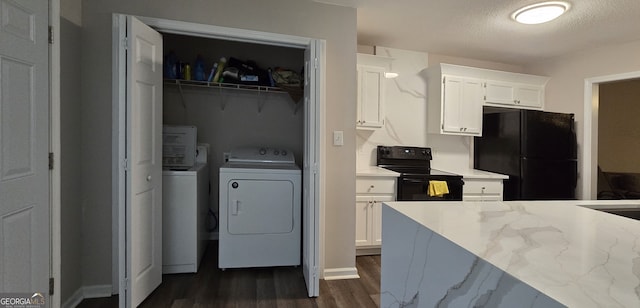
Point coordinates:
[(470, 173), (578, 256), (477, 174), (376, 171)]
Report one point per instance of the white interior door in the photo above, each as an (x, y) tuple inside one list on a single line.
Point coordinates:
[(24, 146), (310, 202), (144, 152)]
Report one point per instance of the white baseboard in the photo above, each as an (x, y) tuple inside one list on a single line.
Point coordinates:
[(341, 273), (74, 300), (95, 291)]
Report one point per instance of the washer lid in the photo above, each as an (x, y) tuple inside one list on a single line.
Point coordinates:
[(261, 155)]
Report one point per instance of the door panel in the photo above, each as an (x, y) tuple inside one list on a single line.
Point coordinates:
[(548, 179), (144, 127), (452, 104), (310, 182), (24, 147), (363, 207)]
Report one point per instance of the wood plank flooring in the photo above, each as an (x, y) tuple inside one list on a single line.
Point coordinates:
[(257, 287)]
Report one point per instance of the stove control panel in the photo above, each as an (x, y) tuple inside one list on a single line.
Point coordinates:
[(402, 152)]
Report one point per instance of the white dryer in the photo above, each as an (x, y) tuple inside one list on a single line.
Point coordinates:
[(260, 215)]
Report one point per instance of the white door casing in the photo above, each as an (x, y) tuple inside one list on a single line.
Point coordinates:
[(312, 130), (24, 147), (310, 201), (143, 205)]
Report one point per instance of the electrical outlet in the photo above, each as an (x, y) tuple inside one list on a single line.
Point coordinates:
[(338, 138)]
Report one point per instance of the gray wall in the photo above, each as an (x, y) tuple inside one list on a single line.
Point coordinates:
[(336, 25), (70, 188)]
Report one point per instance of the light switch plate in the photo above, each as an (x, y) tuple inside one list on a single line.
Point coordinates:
[(338, 138)]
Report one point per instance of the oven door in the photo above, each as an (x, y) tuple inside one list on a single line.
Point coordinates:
[(415, 188)]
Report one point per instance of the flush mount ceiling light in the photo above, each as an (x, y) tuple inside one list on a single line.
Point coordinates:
[(540, 12)]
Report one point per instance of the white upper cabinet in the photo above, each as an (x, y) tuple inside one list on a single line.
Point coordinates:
[(514, 94), (457, 93), (371, 91), (370, 96), (461, 105)]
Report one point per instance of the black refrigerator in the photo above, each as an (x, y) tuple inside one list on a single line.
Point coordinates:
[(536, 149)]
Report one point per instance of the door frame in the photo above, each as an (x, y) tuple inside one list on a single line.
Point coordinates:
[(590, 130), (55, 181), (119, 117)]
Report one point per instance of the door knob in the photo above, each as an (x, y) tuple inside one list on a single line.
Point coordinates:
[(148, 178)]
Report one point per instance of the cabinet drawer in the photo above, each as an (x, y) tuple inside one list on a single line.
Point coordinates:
[(376, 186), (482, 187), (482, 198)]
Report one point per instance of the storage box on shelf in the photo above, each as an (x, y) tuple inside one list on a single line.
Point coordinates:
[(457, 94), (482, 190), (371, 191)]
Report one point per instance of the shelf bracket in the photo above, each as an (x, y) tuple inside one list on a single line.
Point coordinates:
[(223, 101), (261, 101), (296, 105), (181, 94)]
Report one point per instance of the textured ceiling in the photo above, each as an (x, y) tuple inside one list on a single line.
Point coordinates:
[(484, 30)]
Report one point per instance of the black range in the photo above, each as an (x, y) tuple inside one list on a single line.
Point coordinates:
[(414, 166)]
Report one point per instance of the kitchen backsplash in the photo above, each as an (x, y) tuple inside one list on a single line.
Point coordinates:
[(406, 116)]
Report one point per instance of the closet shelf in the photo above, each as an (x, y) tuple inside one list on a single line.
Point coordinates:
[(295, 93), (231, 86)]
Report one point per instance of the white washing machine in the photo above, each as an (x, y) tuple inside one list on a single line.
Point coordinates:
[(260, 215)]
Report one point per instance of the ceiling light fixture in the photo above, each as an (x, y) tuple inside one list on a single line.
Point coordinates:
[(540, 12)]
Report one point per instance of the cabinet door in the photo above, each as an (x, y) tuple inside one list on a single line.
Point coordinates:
[(370, 96), (529, 96), (462, 105), (363, 208), (482, 190), (451, 104), (513, 94), (471, 115), (497, 92), (376, 218)]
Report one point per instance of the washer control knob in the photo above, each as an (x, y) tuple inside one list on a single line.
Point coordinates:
[(262, 151), (284, 153), (234, 184), (276, 152)]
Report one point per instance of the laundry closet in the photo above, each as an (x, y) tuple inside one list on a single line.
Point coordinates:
[(234, 113)]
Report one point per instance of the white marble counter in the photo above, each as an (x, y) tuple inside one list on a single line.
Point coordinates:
[(376, 171), (478, 174), (510, 254)]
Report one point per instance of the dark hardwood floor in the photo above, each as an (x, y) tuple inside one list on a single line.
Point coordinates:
[(258, 287)]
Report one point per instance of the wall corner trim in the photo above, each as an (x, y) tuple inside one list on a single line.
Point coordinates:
[(341, 273)]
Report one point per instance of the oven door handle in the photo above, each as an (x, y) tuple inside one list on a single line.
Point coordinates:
[(415, 181), (459, 182)]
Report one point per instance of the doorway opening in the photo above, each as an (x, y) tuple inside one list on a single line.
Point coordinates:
[(309, 151), (619, 140), (590, 144)]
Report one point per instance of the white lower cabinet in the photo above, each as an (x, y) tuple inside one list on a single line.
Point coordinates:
[(371, 192), (482, 190), (369, 219)]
